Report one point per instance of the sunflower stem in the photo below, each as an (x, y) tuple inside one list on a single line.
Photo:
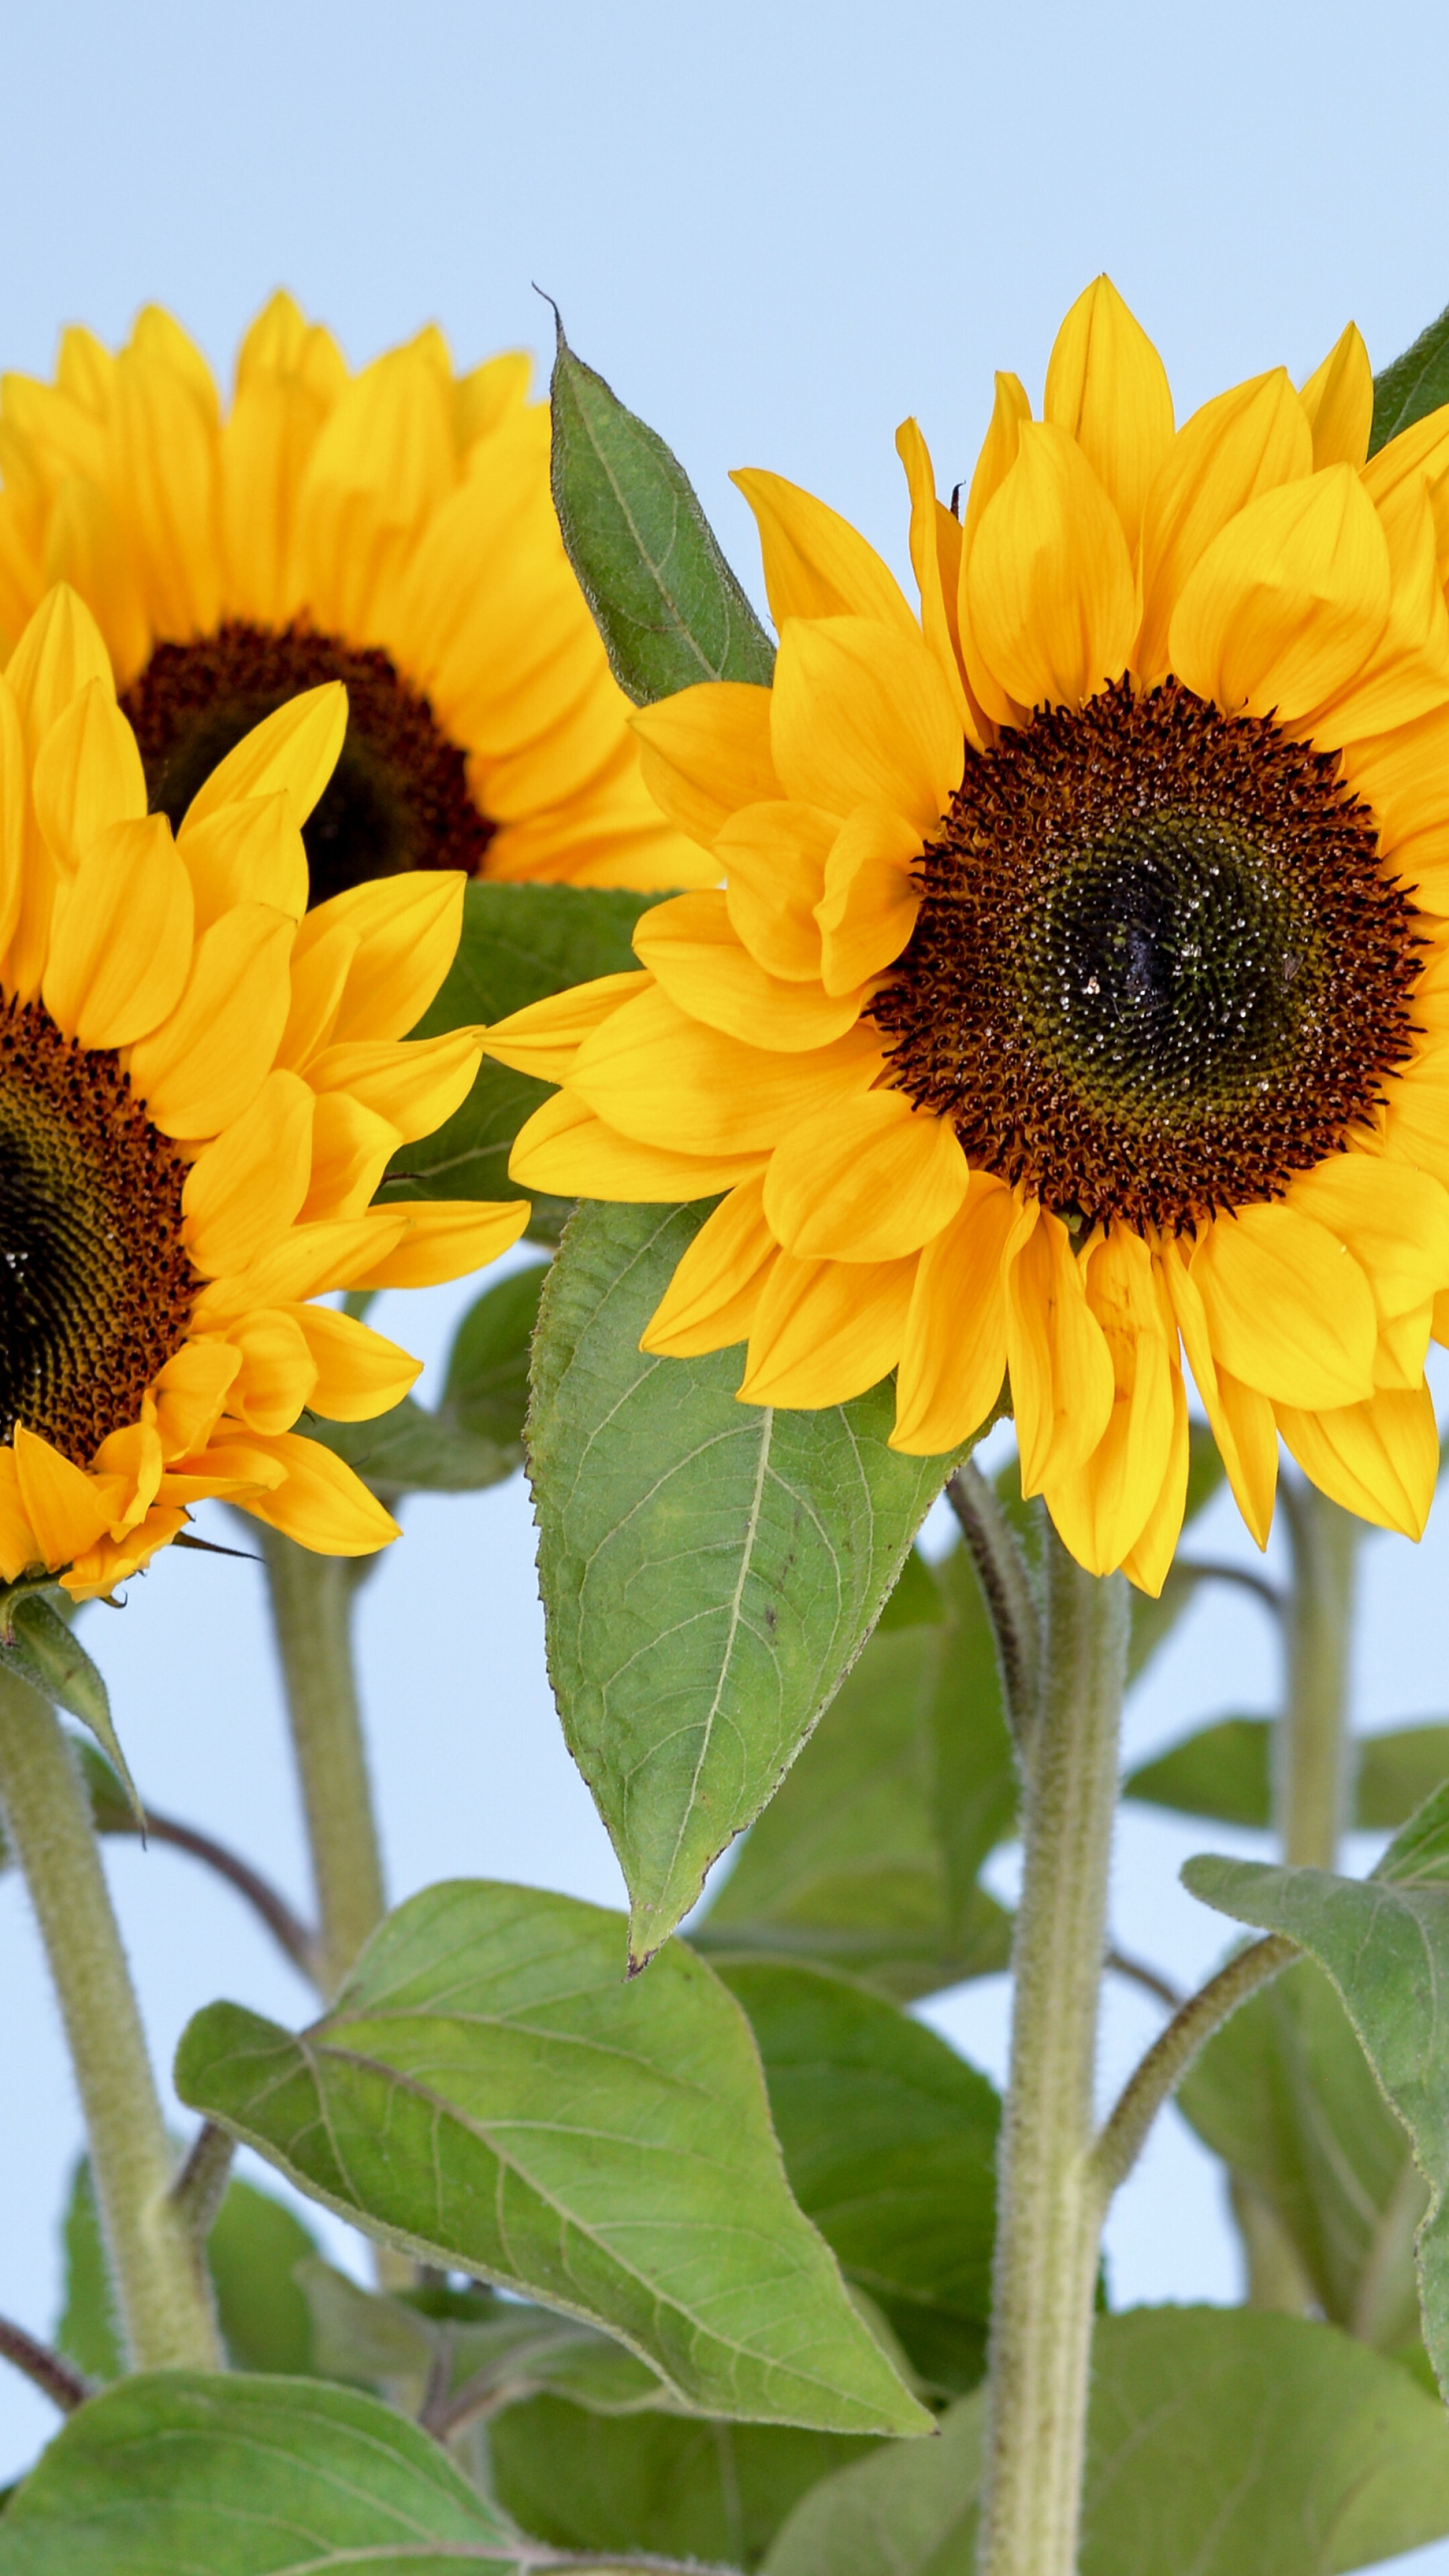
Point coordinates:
[(311, 1598), (159, 2276), (1311, 1742), (1052, 2196)]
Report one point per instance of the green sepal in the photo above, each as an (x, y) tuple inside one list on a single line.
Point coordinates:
[(40, 1647), (1412, 385)]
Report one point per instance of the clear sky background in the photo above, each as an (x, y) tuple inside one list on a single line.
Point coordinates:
[(777, 228)]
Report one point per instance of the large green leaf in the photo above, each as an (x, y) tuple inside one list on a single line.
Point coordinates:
[(664, 2483), (665, 601), (1284, 2094), (89, 2331), (235, 2476), (1221, 2443), (1412, 385), (1224, 1770), (252, 2252), (473, 1436), (1384, 1941), (497, 2352), (709, 1569), (866, 1859), (889, 2141), (519, 943), (490, 2093)]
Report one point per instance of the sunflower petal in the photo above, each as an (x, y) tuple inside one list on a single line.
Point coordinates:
[(696, 956), (567, 1151), (1379, 1459), (1062, 1381), (816, 563), (203, 1066), (87, 776), (250, 852), (865, 1181), (706, 752), (710, 1302), (773, 857), (663, 1078), (320, 1502), (824, 1331), (408, 929), (292, 752), (245, 1189), (359, 1373), (1339, 402), (1288, 1308), (1238, 445), (871, 899), (1288, 601), (1052, 600), (1107, 388), (64, 1506), (121, 938), (861, 714), (445, 1239), (544, 1037), (953, 1357)]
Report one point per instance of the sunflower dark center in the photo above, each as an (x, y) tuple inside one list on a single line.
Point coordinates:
[(1158, 967), (398, 798), (95, 1287)]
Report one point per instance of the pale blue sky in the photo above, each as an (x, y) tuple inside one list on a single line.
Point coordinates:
[(777, 228)]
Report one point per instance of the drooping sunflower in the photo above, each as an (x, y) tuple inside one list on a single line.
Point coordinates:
[(391, 529), (201, 1083), (1078, 993)]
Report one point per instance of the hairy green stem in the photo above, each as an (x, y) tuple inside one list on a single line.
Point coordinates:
[(156, 2265), (1051, 2197), (311, 1600), (1311, 1766), (1172, 2053)]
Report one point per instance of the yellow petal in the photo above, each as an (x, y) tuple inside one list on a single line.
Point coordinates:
[(667, 1080), (1288, 601), (351, 1149), (1107, 387), (414, 1084), (120, 947), (14, 800), (166, 474), (293, 751), (1062, 1382), (445, 1239), (59, 654), (865, 1181), (1053, 604), (161, 336), (824, 1331), (1393, 1219), (203, 1066), (273, 428), (816, 564), (773, 857), (1379, 1459), (706, 752), (1339, 402), (63, 1505), (321, 1503), (1238, 445), (384, 459), (321, 963), (245, 1189), (86, 545), (1010, 413), (1241, 1419), (1102, 1507), (566, 1150), (1148, 1561), (249, 852), (359, 1374), (861, 714), (311, 1259), (190, 1392), (710, 1302), (694, 952), (872, 895), (408, 929), (1288, 1309), (1407, 673), (936, 563), (544, 1037), (88, 775), (276, 1376), (19, 1546), (953, 1358)]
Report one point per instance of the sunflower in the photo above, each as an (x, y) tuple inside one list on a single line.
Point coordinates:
[(201, 1084), (393, 530), (1077, 999)]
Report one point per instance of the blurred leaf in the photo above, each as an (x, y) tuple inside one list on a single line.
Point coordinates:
[(866, 1859), (1284, 2094), (519, 942), (889, 2141), (252, 2253), (1224, 1771), (1385, 1943), (1221, 2442), (474, 1436), (245, 2477), (915, 1601), (665, 601), (1412, 385), (709, 1569), (89, 2332), (39, 1646), (506, 2346), (664, 2483), (488, 2092)]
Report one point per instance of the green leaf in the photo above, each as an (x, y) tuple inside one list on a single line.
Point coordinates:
[(1385, 1943), (1412, 385), (889, 2142), (665, 601), (1222, 2442), (1224, 1771), (916, 1599), (663, 2483), (503, 2349), (246, 2477), (252, 2252), (89, 2332), (474, 1436), (1398, 1769), (519, 942), (1284, 2094), (866, 1859), (709, 1569), (489, 2093), (486, 1387), (45, 1652)]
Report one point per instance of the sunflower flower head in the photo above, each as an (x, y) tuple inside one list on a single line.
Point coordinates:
[(202, 1082), (391, 529), (1075, 1004)]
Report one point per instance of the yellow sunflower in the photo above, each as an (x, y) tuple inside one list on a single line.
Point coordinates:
[(392, 529), (1078, 993), (201, 1084)]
